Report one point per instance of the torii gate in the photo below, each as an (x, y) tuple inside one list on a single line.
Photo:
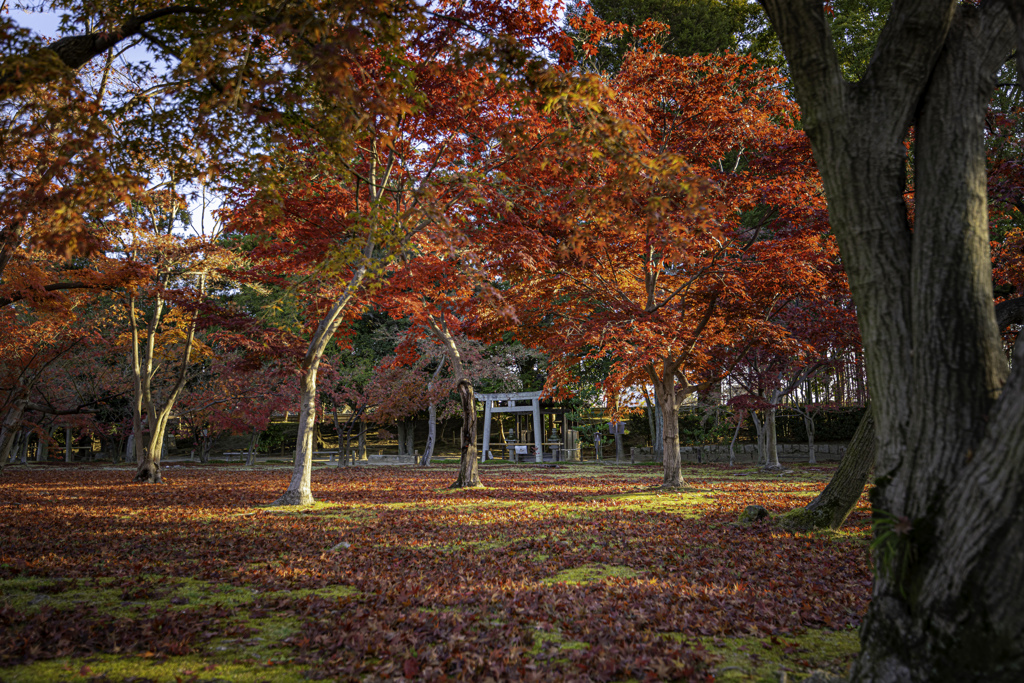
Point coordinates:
[(489, 399)]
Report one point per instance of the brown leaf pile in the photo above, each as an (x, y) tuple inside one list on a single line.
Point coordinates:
[(451, 586)]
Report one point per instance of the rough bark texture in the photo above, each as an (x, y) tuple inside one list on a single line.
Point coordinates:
[(428, 450), (665, 391), (732, 444), (762, 434), (947, 602), (43, 448), (771, 440), (833, 505), (469, 473), (400, 437)]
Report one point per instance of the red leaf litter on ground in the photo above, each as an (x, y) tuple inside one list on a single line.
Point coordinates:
[(574, 573)]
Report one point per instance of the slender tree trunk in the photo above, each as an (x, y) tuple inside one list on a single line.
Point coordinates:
[(428, 450), (400, 436), (808, 418), (361, 443), (651, 419), (205, 445), (833, 505), (23, 447), (771, 438), (762, 441), (254, 441), (620, 450), (732, 444), (300, 490), (43, 447), (469, 473), (659, 427), (410, 437), (342, 452)]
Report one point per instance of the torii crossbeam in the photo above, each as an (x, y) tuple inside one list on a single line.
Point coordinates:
[(510, 399)]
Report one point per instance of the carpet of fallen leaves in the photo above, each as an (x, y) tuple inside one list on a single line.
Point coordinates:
[(445, 585)]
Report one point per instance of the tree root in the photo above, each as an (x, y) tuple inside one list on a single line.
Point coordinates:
[(294, 498), (149, 473)]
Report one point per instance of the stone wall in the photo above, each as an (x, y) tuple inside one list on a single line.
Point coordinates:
[(745, 453)]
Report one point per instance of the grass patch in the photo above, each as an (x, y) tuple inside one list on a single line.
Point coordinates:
[(169, 670), (685, 502), (117, 597), (750, 659), (589, 573), (554, 640)]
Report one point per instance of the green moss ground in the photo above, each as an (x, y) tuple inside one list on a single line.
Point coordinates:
[(169, 670), (762, 660)]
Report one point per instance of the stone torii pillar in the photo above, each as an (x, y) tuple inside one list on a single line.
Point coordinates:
[(487, 431), (537, 433), (511, 398)]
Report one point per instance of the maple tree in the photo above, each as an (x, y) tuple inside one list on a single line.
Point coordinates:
[(437, 132), (437, 296), (635, 269), (818, 327)]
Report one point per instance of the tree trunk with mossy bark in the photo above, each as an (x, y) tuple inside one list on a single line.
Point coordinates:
[(469, 472), (665, 393), (833, 505), (948, 500)]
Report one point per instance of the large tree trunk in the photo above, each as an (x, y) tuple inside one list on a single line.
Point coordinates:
[(469, 473), (665, 392), (833, 505), (948, 499), (9, 429)]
